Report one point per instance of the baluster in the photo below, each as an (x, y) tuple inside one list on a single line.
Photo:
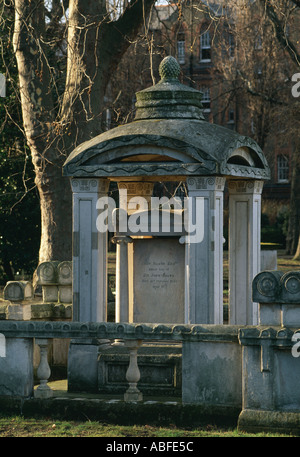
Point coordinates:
[(133, 372), (43, 371)]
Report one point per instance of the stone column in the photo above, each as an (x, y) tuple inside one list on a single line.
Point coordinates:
[(89, 252), (244, 248), (204, 257), (122, 297)]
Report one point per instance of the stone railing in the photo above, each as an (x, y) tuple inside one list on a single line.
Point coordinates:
[(130, 336)]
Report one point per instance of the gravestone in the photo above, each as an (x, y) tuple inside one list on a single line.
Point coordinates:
[(17, 291), (268, 260), (156, 278), (56, 281)]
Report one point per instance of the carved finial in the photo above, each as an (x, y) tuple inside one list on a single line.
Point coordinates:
[(169, 68)]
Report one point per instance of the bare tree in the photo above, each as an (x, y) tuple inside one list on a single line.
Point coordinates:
[(282, 14), (66, 52), (256, 53)]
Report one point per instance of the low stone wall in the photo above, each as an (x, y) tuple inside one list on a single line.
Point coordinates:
[(253, 370), (270, 357)]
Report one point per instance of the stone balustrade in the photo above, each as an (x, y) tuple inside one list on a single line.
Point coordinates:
[(19, 336)]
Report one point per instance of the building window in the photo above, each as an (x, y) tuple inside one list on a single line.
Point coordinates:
[(181, 48), (205, 50), (282, 168), (205, 99)]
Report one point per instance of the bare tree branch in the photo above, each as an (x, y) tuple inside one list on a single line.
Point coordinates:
[(296, 2), (279, 31)]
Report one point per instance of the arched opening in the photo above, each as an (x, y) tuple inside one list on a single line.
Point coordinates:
[(246, 157)]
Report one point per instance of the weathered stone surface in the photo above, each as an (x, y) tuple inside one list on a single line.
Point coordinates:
[(269, 314), (47, 273), (157, 286), (254, 421), (65, 294), (16, 368), (212, 373), (3, 307), (277, 287), (18, 312), (50, 293), (82, 366), (268, 260), (56, 281), (17, 291), (55, 272), (159, 412), (64, 272), (43, 311), (278, 295), (159, 365), (114, 330), (271, 369), (204, 259), (89, 251), (164, 112)]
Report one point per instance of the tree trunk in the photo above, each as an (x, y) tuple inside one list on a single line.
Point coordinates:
[(292, 240), (297, 255)]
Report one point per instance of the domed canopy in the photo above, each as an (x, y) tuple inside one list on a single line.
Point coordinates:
[(168, 137)]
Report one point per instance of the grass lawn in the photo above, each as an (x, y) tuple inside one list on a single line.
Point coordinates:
[(17, 426)]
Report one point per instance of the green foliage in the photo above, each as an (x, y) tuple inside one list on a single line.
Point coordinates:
[(19, 204), (275, 232)]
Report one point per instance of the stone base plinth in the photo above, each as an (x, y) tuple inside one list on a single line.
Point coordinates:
[(43, 392), (252, 421), (133, 396)]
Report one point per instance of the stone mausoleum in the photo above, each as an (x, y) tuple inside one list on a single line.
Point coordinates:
[(168, 276), (172, 275)]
